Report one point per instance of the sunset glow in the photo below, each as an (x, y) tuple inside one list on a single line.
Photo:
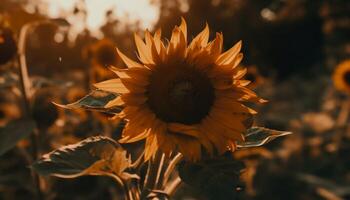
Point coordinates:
[(126, 11)]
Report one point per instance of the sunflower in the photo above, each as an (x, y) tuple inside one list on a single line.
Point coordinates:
[(183, 98), (341, 76), (103, 55)]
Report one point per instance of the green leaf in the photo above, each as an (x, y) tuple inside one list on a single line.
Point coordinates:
[(258, 136), (97, 155), (14, 132), (96, 100)]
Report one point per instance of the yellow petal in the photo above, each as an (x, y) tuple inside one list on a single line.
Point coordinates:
[(240, 74), (204, 140), (215, 46), (137, 137), (157, 39), (177, 45), (219, 71), (138, 126), (152, 142), (144, 52), (115, 102), (174, 40), (225, 131), (192, 131), (222, 83), (229, 55), (156, 57), (129, 111), (201, 39), (235, 62), (159, 45), (214, 135), (188, 146), (149, 39), (247, 92), (183, 28), (138, 76), (112, 85), (133, 99), (138, 122), (234, 121), (242, 83), (166, 143), (193, 147), (184, 129), (129, 63), (229, 104), (238, 95), (152, 46), (132, 86), (151, 146), (229, 68)]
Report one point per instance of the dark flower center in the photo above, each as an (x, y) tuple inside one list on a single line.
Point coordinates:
[(347, 77), (180, 93), (106, 56)]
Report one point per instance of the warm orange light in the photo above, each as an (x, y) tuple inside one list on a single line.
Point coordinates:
[(127, 11)]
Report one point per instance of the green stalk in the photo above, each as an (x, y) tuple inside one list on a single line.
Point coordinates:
[(25, 89)]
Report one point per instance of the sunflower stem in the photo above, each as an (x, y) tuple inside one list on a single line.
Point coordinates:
[(171, 187), (25, 90), (160, 174), (155, 166), (172, 166)]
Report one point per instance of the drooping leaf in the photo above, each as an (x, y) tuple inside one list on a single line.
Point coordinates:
[(93, 156), (257, 136), (96, 100), (14, 132)]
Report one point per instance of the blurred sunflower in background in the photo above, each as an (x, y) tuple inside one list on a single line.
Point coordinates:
[(341, 76), (8, 47), (103, 55), (182, 98)]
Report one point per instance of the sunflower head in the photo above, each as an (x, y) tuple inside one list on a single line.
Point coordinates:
[(341, 76), (103, 53), (183, 98)]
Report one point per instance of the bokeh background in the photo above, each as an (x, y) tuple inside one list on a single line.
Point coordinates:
[(291, 48)]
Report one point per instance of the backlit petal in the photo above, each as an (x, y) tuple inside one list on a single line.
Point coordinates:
[(230, 54)]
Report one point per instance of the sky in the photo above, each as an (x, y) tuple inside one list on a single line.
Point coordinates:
[(127, 11)]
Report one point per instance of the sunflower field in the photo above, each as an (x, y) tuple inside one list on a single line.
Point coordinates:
[(174, 99)]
